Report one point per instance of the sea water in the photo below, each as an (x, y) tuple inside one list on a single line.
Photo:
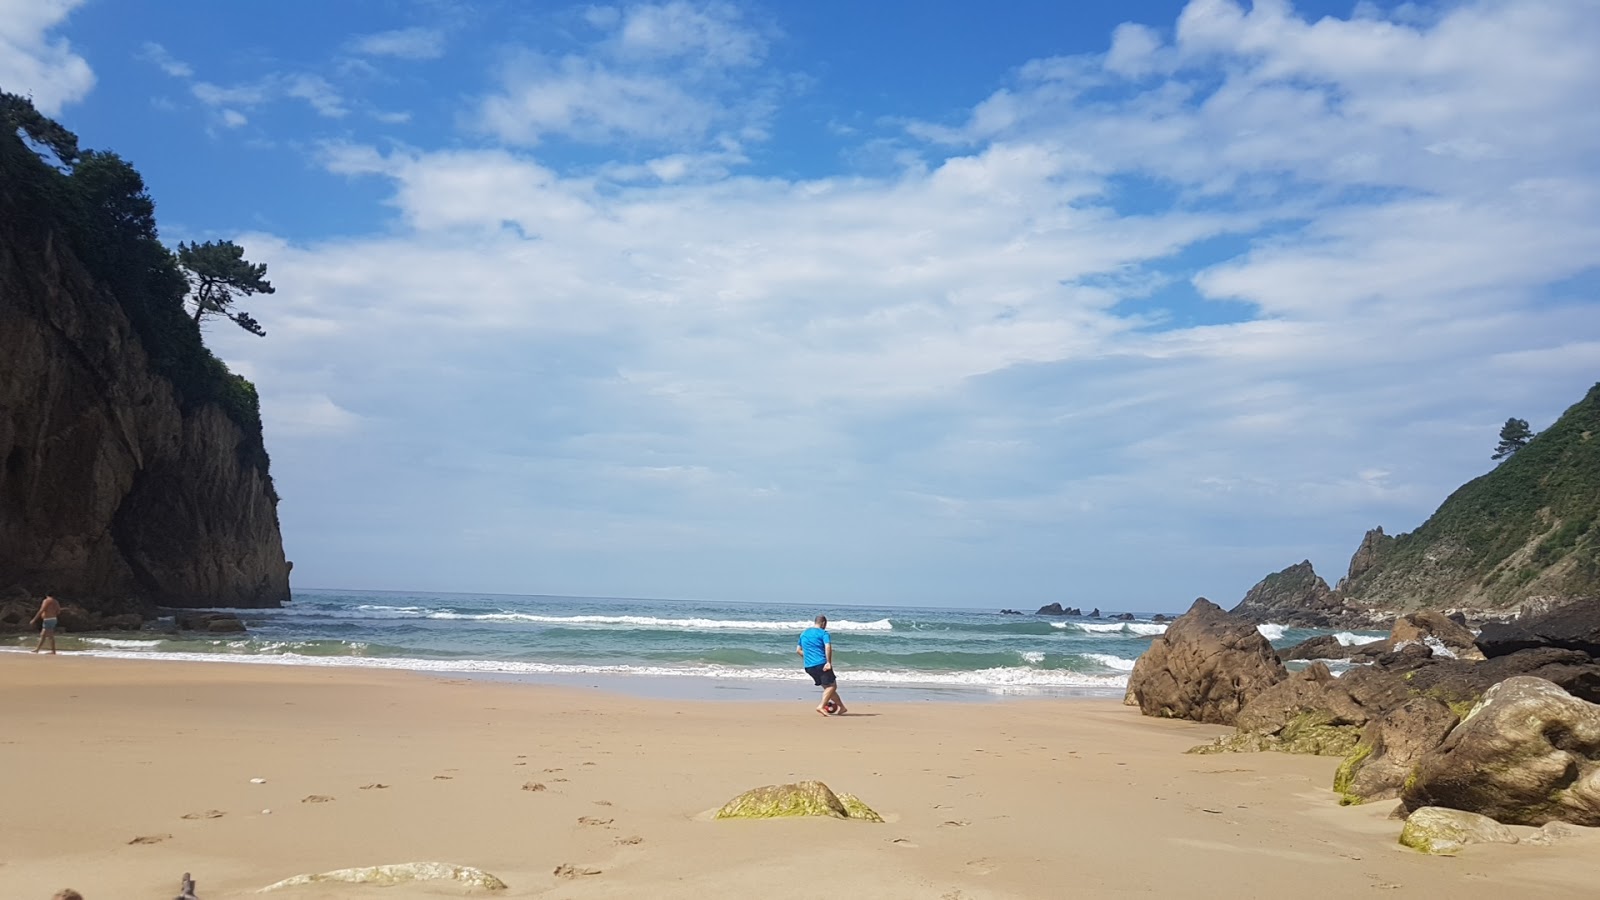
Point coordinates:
[(678, 647)]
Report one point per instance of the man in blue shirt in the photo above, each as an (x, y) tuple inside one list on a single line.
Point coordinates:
[(816, 651)]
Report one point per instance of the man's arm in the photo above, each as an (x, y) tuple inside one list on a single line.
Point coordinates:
[(828, 650)]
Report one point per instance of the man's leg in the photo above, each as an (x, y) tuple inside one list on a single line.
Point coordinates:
[(833, 691), (42, 635), (52, 642)]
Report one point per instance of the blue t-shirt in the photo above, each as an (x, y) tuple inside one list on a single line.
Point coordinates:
[(813, 641)]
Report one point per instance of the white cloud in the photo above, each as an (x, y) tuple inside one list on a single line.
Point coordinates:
[(706, 34), (983, 350), (36, 64), (314, 90), (401, 43), (665, 74), (158, 56), (233, 118)]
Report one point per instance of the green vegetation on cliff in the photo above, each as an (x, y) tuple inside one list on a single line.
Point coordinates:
[(97, 204), (1530, 527)]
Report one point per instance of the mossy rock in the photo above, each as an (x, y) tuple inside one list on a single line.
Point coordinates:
[(1307, 733), (802, 798), (1433, 829), (1345, 775), (858, 810)]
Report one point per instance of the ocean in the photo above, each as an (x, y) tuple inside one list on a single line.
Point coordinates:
[(677, 648)]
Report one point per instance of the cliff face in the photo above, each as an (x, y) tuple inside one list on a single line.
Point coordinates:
[(1527, 534), (110, 488), (1528, 530)]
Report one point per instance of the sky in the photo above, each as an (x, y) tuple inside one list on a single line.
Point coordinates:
[(906, 303)]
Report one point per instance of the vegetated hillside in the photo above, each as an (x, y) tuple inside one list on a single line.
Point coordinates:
[(1530, 528), (132, 468)]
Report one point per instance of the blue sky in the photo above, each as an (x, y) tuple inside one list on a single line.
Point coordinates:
[(1111, 304)]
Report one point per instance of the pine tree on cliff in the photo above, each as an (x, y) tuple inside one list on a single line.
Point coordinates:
[(1514, 435), (218, 273)]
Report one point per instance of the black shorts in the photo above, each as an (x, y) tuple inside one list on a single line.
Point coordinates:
[(823, 677)]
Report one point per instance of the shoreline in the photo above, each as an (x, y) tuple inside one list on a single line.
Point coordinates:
[(1026, 798)]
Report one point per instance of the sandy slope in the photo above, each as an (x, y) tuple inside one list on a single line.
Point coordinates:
[(1015, 799)]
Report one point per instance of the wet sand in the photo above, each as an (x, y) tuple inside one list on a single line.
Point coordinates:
[(119, 776)]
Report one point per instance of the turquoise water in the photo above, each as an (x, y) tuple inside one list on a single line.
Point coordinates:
[(632, 643)]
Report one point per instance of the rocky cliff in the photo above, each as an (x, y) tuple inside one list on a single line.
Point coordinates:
[(1527, 532), (118, 487)]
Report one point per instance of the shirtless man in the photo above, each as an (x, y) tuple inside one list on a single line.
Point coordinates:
[(46, 616)]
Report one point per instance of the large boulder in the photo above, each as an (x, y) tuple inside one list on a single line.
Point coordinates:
[(1390, 746), (1306, 713), (1572, 626), (1528, 754), (1446, 831), (1205, 667)]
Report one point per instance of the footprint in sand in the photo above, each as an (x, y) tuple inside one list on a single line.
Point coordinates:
[(443, 777), (208, 814), (980, 866), (628, 841), (591, 820), (150, 839), (566, 871), (557, 769), (375, 786), (532, 786), (602, 803), (558, 779), (955, 822), (902, 842), (317, 798)]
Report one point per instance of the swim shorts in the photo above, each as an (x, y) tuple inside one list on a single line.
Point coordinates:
[(823, 677)]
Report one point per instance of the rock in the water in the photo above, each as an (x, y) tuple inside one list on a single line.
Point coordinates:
[(1430, 627), (1572, 626), (1294, 596), (1446, 831), (1390, 746), (1055, 609), (1206, 667), (1528, 754), (399, 873), (803, 798), (1323, 646)]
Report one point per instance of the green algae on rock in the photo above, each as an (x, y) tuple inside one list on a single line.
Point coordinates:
[(1433, 829), (400, 873), (802, 798)]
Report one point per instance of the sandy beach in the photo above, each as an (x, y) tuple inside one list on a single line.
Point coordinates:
[(122, 775)]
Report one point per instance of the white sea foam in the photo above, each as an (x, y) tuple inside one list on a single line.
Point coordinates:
[(992, 679), (1141, 628), (1111, 662), (1032, 656), (122, 643), (689, 624), (1271, 631), (1351, 639)]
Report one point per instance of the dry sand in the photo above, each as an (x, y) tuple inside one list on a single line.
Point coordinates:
[(1080, 798)]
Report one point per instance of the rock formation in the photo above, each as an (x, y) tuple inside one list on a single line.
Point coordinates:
[(1528, 754), (1206, 667), (117, 488), (1573, 626), (1295, 596)]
